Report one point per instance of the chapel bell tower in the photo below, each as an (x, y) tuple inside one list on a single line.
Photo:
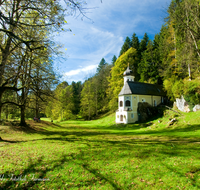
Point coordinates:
[(128, 75)]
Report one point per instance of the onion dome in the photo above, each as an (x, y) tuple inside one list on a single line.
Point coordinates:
[(128, 72)]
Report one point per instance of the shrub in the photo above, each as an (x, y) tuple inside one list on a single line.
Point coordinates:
[(192, 91)]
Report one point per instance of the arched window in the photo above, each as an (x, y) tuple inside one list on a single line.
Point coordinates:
[(128, 103), (121, 103), (121, 117)]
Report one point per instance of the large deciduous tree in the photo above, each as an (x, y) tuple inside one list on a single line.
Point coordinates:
[(116, 79), (24, 28)]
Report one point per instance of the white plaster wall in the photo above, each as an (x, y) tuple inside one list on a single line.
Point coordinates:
[(158, 100), (130, 78), (134, 119), (118, 114), (126, 117), (134, 99), (121, 98), (150, 99)]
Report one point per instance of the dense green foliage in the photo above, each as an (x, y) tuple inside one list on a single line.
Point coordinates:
[(116, 79), (26, 47), (170, 59)]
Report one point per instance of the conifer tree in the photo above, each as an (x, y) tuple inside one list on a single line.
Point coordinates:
[(148, 67), (101, 65), (143, 44), (76, 91), (126, 46), (114, 59), (135, 43)]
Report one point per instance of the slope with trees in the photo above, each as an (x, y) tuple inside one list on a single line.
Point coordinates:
[(170, 59), (25, 29)]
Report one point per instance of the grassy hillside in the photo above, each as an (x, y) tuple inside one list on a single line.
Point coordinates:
[(102, 155)]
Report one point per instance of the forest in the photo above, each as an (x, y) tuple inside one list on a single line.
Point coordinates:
[(29, 87)]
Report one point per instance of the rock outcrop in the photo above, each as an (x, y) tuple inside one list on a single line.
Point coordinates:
[(182, 105), (196, 108)]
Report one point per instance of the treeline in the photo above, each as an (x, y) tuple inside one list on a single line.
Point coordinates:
[(26, 47), (81, 100), (171, 59)]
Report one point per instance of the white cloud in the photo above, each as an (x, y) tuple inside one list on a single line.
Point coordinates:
[(104, 37), (77, 71), (80, 74)]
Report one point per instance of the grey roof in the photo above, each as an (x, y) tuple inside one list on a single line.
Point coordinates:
[(128, 72), (131, 87)]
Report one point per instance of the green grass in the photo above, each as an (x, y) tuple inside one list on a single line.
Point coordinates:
[(102, 155)]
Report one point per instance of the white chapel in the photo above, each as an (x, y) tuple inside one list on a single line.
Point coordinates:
[(134, 92)]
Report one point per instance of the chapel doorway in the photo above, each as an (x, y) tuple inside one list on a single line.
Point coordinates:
[(121, 117)]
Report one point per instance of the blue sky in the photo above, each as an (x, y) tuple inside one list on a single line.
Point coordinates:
[(103, 36)]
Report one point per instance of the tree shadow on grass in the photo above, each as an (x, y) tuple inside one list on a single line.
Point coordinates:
[(166, 132), (170, 135), (28, 178), (141, 149), (33, 126), (28, 175), (185, 128), (190, 174), (9, 141), (101, 177)]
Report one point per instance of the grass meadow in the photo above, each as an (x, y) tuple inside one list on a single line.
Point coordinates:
[(102, 155)]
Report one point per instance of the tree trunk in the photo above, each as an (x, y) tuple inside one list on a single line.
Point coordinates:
[(6, 112), (192, 35), (22, 122), (96, 103), (4, 55), (189, 72), (0, 110), (36, 108), (89, 113), (0, 104)]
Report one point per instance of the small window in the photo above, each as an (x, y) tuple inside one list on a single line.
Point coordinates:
[(132, 115), (128, 103), (121, 103), (155, 104)]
